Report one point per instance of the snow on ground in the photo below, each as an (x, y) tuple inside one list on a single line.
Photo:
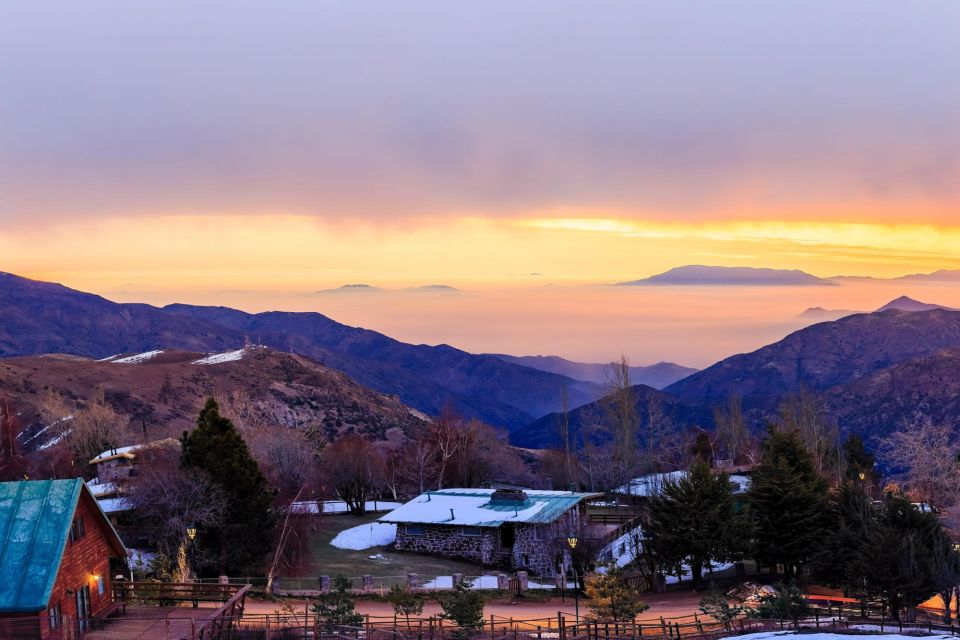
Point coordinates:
[(137, 359), (139, 559), (53, 441), (446, 582), (770, 635), (52, 424), (688, 576), (217, 358), (313, 507), (376, 534), (108, 358)]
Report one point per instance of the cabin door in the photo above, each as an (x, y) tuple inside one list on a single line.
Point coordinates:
[(508, 535), (83, 607)]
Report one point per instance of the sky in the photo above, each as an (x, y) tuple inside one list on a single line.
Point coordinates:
[(257, 152)]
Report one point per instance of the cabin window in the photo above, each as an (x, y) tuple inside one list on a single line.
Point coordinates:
[(416, 530), (472, 531), (54, 615), (101, 586), (525, 560), (76, 529)]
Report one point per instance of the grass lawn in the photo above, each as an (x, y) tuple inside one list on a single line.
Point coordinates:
[(325, 559)]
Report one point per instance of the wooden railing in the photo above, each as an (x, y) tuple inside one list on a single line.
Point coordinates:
[(174, 593)]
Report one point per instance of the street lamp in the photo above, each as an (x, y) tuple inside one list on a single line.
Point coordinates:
[(572, 541), (191, 531)]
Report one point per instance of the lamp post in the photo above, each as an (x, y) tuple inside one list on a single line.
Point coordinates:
[(572, 541)]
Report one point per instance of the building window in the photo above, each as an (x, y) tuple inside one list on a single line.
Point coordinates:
[(76, 529), (537, 534), (472, 531), (101, 586), (525, 560), (415, 530), (54, 614)]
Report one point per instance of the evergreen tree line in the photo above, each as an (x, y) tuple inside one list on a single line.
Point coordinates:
[(793, 522)]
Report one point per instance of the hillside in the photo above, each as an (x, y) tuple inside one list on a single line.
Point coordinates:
[(657, 375), (823, 356), (41, 317), (165, 390), (922, 388)]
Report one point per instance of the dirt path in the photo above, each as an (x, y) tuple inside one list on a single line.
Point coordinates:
[(668, 605)]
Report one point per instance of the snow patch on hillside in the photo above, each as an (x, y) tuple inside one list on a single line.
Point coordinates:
[(137, 359), (218, 358), (376, 534)]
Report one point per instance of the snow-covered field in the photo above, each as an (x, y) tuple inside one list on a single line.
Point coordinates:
[(218, 358), (312, 507), (138, 358), (364, 536)]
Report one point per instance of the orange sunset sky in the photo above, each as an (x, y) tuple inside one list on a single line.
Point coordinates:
[(528, 154)]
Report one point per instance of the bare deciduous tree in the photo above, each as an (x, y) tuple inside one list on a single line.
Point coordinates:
[(927, 454)]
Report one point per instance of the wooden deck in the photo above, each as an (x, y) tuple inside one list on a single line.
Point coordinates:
[(144, 622)]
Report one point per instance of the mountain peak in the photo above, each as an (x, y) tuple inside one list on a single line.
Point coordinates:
[(702, 275), (906, 303)]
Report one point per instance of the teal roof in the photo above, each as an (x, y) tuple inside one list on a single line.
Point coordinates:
[(35, 519), (475, 507)]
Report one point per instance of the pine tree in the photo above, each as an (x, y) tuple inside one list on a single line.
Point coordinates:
[(694, 522), (903, 559), (337, 607), (246, 535), (464, 607), (857, 460), (613, 599), (788, 503), (851, 519)]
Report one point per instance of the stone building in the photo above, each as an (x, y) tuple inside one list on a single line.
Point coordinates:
[(519, 529)]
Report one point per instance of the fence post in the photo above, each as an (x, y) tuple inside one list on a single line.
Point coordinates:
[(663, 627), (193, 629)]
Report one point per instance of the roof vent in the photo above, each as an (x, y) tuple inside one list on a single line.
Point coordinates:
[(508, 495)]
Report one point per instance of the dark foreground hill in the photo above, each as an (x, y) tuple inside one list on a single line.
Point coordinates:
[(39, 317)]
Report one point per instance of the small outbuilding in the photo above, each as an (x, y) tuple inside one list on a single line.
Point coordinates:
[(520, 529), (56, 545)]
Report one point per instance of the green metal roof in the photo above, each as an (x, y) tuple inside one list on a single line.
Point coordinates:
[(35, 519)]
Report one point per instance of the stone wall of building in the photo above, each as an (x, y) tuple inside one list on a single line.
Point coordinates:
[(450, 541)]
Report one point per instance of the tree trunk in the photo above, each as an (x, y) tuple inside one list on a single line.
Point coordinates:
[(696, 574)]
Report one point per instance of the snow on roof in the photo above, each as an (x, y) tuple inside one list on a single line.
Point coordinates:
[(217, 358), (101, 489), (475, 507), (652, 484), (114, 505), (130, 451), (138, 358)]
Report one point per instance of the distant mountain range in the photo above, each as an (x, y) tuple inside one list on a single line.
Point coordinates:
[(872, 371), (702, 275), (166, 390), (699, 275), (903, 303), (39, 317), (657, 375)]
